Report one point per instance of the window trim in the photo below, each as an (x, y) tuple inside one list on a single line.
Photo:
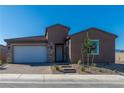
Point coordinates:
[(97, 47)]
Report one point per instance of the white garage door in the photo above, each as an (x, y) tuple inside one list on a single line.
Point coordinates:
[(30, 54)]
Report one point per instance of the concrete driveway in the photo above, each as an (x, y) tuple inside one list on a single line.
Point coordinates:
[(25, 69)]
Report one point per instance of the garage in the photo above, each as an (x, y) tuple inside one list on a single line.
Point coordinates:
[(29, 54)]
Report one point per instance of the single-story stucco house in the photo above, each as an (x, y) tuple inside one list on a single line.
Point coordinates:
[(58, 46), (3, 53)]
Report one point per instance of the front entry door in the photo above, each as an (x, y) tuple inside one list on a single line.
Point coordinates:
[(59, 54)]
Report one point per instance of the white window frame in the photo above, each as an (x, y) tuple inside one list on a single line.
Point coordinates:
[(96, 40)]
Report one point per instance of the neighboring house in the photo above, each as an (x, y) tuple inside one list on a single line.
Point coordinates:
[(3, 53), (58, 46), (119, 56)]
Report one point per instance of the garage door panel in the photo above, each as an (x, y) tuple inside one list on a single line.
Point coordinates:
[(30, 54)]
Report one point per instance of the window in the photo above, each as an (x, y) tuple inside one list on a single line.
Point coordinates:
[(95, 47)]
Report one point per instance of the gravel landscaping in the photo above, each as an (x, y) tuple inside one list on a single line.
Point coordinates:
[(100, 69), (94, 70)]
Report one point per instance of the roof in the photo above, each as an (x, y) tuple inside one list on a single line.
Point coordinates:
[(31, 39), (2, 45), (93, 28), (55, 26), (37, 39)]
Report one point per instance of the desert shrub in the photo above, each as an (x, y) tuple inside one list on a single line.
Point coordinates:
[(0, 62), (79, 62), (115, 71), (94, 65), (56, 67), (100, 70), (82, 68)]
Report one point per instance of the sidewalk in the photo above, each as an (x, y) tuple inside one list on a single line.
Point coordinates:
[(61, 79)]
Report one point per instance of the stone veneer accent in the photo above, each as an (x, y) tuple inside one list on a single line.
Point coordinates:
[(51, 52), (9, 54)]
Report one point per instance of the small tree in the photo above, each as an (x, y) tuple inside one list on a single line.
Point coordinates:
[(93, 47), (86, 49)]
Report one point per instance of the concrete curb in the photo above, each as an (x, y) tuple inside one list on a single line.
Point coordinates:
[(62, 82), (61, 79)]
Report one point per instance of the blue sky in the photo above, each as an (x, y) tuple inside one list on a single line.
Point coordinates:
[(20, 21)]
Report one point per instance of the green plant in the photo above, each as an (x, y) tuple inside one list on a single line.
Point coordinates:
[(94, 65), (100, 70), (0, 62), (86, 49), (82, 68), (56, 67), (115, 71), (79, 62)]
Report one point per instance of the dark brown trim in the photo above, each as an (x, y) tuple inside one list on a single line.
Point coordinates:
[(62, 52), (28, 42), (93, 28), (27, 39)]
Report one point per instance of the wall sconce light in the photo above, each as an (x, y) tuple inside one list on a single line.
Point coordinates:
[(8, 47)]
